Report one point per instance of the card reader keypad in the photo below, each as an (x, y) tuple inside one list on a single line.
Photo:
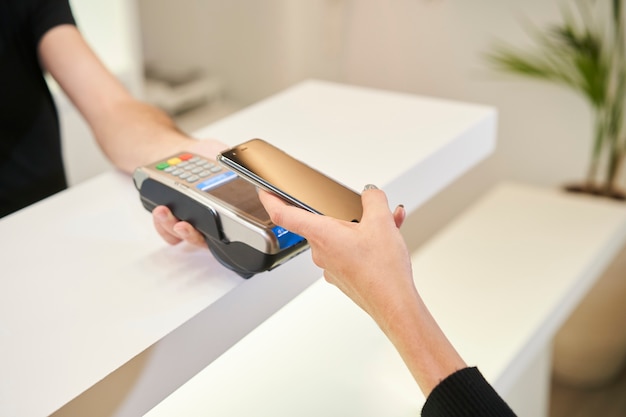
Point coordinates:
[(189, 167)]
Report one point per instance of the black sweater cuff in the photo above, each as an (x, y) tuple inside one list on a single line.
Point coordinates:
[(465, 393)]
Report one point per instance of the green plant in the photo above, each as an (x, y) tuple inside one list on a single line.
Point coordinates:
[(586, 53)]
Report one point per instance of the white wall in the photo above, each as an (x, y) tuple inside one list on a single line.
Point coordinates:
[(430, 47), (171, 33), (255, 47), (436, 48), (111, 28)]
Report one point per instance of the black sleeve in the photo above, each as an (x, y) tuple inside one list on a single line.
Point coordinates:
[(465, 393), (47, 14)]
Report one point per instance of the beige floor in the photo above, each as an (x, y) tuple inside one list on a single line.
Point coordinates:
[(609, 401)]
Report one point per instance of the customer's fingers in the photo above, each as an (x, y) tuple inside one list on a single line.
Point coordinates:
[(292, 218), (399, 215), (375, 206), (375, 203)]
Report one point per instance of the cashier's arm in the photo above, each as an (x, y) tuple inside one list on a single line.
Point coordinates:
[(129, 132)]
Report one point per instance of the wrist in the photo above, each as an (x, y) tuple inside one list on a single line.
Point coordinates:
[(422, 345)]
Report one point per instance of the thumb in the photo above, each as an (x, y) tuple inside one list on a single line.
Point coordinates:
[(375, 205), (292, 218)]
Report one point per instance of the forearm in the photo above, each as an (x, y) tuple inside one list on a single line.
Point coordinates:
[(370, 263), (130, 133), (134, 133), (422, 344), (450, 387)]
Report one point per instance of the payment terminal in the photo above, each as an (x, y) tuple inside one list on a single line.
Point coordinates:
[(223, 207)]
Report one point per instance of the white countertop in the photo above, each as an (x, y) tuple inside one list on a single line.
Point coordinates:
[(90, 289), (500, 280)]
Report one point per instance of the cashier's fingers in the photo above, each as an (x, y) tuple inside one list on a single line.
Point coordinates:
[(164, 222), (189, 234), (174, 231)]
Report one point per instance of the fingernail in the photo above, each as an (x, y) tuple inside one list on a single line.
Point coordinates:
[(401, 205), (370, 187)]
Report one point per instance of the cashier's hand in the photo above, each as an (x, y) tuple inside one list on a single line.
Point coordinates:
[(174, 231), (171, 229), (368, 261)]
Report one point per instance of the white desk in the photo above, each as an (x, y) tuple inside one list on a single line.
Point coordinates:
[(91, 299), (500, 280)]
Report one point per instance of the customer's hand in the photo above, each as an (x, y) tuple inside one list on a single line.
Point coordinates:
[(368, 261)]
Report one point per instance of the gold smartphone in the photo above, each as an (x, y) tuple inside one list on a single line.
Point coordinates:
[(272, 169)]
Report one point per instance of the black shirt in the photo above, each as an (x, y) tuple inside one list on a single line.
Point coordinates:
[(31, 165)]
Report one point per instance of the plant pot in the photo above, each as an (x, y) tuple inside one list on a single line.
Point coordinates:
[(595, 190)]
